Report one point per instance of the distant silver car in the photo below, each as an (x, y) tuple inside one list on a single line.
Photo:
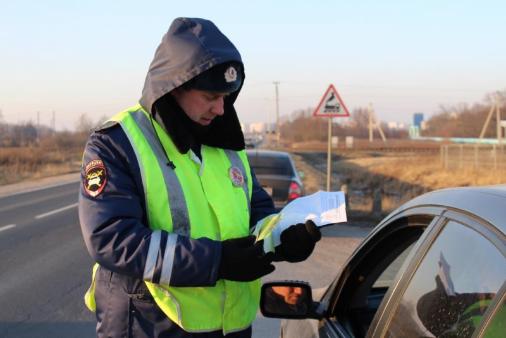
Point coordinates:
[(276, 173), (435, 267)]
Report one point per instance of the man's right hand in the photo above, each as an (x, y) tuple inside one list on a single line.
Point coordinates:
[(244, 260), (297, 242)]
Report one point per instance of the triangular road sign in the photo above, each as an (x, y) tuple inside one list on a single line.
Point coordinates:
[(331, 105)]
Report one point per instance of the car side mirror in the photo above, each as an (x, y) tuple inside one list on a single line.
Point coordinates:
[(288, 299)]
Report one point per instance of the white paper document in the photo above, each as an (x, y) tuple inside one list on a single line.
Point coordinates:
[(323, 208)]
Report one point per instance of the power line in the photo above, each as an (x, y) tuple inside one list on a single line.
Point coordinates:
[(53, 121)]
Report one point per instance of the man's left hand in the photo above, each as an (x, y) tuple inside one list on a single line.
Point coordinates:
[(297, 242)]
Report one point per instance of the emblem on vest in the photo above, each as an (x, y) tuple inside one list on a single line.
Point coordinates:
[(236, 176), (95, 177)]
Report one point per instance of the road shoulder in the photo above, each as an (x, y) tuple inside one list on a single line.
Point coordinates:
[(37, 184)]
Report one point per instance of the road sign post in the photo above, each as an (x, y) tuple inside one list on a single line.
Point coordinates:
[(329, 154), (331, 105)]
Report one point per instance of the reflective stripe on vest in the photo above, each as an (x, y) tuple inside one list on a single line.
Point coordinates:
[(177, 203), (176, 207)]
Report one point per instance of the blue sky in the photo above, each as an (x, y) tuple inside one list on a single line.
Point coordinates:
[(91, 57)]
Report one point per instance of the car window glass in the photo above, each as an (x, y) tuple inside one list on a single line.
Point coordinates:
[(270, 165), (452, 287), (387, 277), (367, 285)]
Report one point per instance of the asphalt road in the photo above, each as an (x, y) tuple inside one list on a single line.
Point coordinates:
[(45, 269), (44, 266)]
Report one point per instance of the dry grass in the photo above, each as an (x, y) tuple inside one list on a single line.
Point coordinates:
[(402, 177), (20, 163), (398, 177), (424, 171)]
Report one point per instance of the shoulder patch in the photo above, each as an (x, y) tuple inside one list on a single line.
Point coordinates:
[(106, 125), (95, 177)]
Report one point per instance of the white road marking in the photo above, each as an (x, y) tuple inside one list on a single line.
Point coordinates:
[(7, 227), (56, 211)]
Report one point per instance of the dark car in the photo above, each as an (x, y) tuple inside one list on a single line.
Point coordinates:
[(435, 267), (276, 173)]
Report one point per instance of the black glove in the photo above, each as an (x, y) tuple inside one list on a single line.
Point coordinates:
[(297, 242), (244, 260)]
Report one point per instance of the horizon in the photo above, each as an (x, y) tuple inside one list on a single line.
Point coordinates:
[(404, 58)]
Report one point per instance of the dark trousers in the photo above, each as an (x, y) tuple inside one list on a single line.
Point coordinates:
[(125, 308)]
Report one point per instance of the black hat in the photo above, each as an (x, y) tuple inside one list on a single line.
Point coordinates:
[(223, 78)]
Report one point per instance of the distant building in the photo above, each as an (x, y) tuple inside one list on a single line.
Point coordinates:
[(260, 128), (396, 125), (257, 127), (417, 120)]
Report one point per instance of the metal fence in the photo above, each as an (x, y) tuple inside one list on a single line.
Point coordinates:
[(473, 156)]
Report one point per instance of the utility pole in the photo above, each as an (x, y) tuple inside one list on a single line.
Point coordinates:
[(498, 118), (370, 125), (53, 122), (38, 126), (374, 123), (498, 108), (276, 83), (495, 106)]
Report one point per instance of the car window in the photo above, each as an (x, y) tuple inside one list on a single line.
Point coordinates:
[(270, 165), (368, 283), (452, 287), (387, 277)]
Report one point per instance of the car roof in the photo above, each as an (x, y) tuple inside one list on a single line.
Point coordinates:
[(267, 153), (488, 202)]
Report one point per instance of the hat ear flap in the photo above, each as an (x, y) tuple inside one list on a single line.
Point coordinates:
[(225, 131)]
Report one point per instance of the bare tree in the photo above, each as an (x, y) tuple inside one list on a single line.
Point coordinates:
[(463, 120), (84, 124)]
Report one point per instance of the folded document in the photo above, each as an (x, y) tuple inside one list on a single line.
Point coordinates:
[(323, 208)]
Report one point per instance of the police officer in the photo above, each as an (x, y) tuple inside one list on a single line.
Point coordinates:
[(168, 200)]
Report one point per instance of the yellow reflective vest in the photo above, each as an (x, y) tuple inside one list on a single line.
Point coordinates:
[(210, 200)]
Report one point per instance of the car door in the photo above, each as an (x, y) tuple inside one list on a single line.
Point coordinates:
[(354, 298), (453, 287)]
